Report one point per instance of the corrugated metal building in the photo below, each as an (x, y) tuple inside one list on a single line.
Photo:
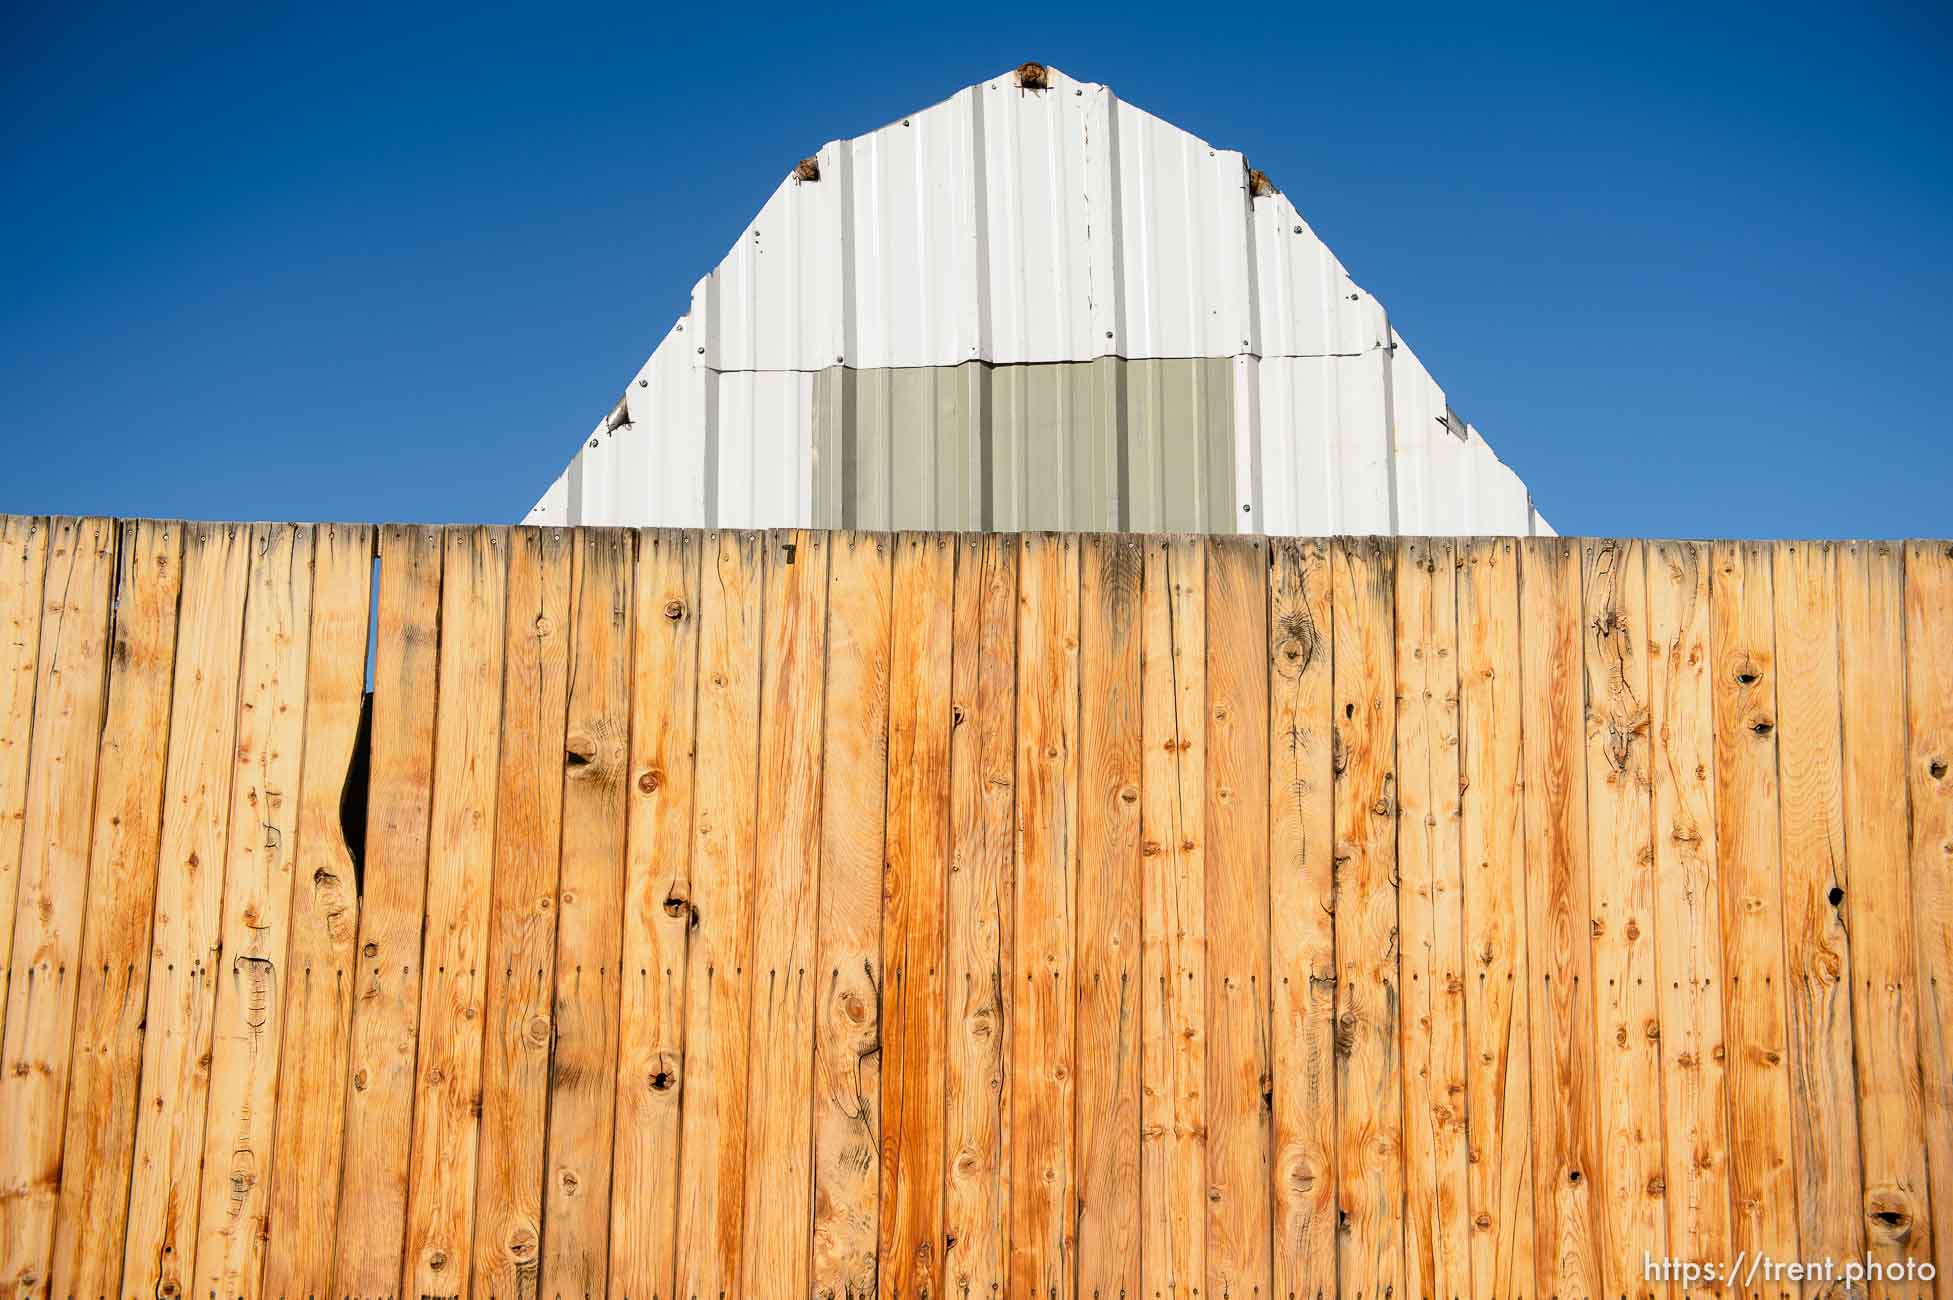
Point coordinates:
[(1035, 306)]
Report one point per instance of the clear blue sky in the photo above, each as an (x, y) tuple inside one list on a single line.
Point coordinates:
[(1689, 272)]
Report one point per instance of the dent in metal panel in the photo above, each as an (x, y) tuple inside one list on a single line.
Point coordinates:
[(1102, 445)]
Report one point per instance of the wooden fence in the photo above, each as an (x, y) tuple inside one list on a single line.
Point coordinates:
[(738, 915)]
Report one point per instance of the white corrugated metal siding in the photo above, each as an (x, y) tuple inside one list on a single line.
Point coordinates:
[(1019, 227)]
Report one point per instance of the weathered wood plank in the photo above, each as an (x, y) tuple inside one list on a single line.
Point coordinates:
[(245, 1040), (1109, 891), (583, 1057), (1239, 1085), (1492, 853), (983, 755), (23, 565), (1566, 1154), (1302, 934), (786, 904), (1817, 954), (369, 1237), (1173, 1002), (460, 875), (1369, 1098), (1620, 822), (505, 1260), (1878, 904), (318, 981), (1437, 1234), (711, 1186), (160, 1245), (1043, 1069), (114, 967), (914, 1025), (848, 951), (44, 971), (1742, 657), (657, 918), (1929, 732), (1688, 926)]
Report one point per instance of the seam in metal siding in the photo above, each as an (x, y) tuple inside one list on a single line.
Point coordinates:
[(1104, 445)]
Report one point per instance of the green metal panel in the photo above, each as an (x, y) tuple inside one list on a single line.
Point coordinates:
[(1106, 445)]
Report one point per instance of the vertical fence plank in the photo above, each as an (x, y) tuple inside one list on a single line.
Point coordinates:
[(460, 873), (913, 922), (369, 1238), (318, 973), (1566, 1157), (23, 565), (1239, 1086), (1688, 928), (1437, 1234), (712, 1196), (1302, 935), (113, 972), (1885, 996), (1108, 918), (786, 899), (506, 1256), (1173, 1000), (983, 752), (1742, 656), (1042, 1041), (1492, 854), (237, 1153), (848, 951), (1369, 1101), (1929, 730), (189, 893), (583, 1057), (657, 918), (69, 701), (1817, 956), (1620, 812)]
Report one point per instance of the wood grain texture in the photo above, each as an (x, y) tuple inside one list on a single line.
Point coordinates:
[(589, 899), (1688, 925), (1437, 1234), (1878, 900), (505, 1255), (1620, 829), (1492, 857), (848, 950), (712, 1168), (23, 565), (1929, 731), (369, 1236), (657, 918), (1109, 976), (1239, 1085), (1173, 1003), (1817, 954), (248, 1030), (56, 839), (307, 1127), (982, 755), (113, 972), (454, 955), (1566, 1153), (1043, 1068), (1742, 657), (786, 903), (1302, 934), (914, 920), (159, 1246), (1369, 1097)]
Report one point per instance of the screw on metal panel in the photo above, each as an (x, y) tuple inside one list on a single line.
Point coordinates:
[(701, 349), (644, 383), (1298, 230)]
